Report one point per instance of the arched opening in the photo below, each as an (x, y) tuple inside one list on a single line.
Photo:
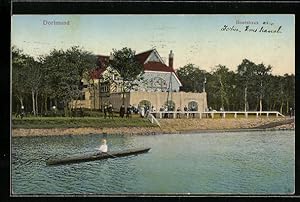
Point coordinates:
[(145, 103), (193, 106)]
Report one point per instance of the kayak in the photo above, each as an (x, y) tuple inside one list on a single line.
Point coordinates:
[(95, 156)]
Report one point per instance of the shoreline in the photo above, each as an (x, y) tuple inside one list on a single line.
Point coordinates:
[(120, 131), (168, 127), (84, 131)]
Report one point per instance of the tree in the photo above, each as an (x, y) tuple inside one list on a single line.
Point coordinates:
[(221, 87), (261, 73), (289, 87), (254, 79), (127, 67), (221, 74), (46, 88), (280, 93), (53, 68), (64, 70), (79, 62), (192, 78), (18, 75), (26, 77), (246, 72), (33, 81)]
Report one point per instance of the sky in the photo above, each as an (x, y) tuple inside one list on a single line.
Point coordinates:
[(196, 39)]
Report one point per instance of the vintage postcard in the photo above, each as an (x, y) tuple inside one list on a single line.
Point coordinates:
[(153, 104)]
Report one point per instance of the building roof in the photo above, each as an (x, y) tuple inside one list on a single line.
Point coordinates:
[(141, 57), (157, 66), (102, 61), (96, 73)]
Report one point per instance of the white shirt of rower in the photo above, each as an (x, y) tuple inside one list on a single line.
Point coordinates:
[(103, 148)]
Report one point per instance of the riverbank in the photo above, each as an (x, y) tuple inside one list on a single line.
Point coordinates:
[(78, 122), (168, 126)]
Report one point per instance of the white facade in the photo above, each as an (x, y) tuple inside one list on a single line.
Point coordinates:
[(158, 81)]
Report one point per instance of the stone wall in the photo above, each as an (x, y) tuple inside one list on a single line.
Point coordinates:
[(157, 99)]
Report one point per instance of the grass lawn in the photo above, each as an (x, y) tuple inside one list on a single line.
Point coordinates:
[(79, 122)]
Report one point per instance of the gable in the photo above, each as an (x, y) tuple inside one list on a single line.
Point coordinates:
[(154, 57)]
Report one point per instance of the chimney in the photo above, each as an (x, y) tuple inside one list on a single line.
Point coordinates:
[(171, 56), (111, 56)]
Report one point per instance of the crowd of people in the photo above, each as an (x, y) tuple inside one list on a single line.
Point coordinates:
[(144, 110), (108, 111), (126, 112)]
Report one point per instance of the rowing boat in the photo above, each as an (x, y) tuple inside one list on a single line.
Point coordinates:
[(95, 156)]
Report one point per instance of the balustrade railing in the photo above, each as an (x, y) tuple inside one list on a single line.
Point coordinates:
[(213, 114)]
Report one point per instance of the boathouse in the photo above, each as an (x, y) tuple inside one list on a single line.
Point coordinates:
[(159, 87)]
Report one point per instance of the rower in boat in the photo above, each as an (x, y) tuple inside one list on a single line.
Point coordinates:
[(93, 157)]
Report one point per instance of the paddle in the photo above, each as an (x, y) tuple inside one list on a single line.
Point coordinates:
[(110, 154)]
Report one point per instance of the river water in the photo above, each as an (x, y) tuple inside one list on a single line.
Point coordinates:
[(203, 163)]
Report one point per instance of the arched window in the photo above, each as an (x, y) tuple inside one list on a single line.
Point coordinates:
[(145, 103), (156, 83), (193, 106)]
